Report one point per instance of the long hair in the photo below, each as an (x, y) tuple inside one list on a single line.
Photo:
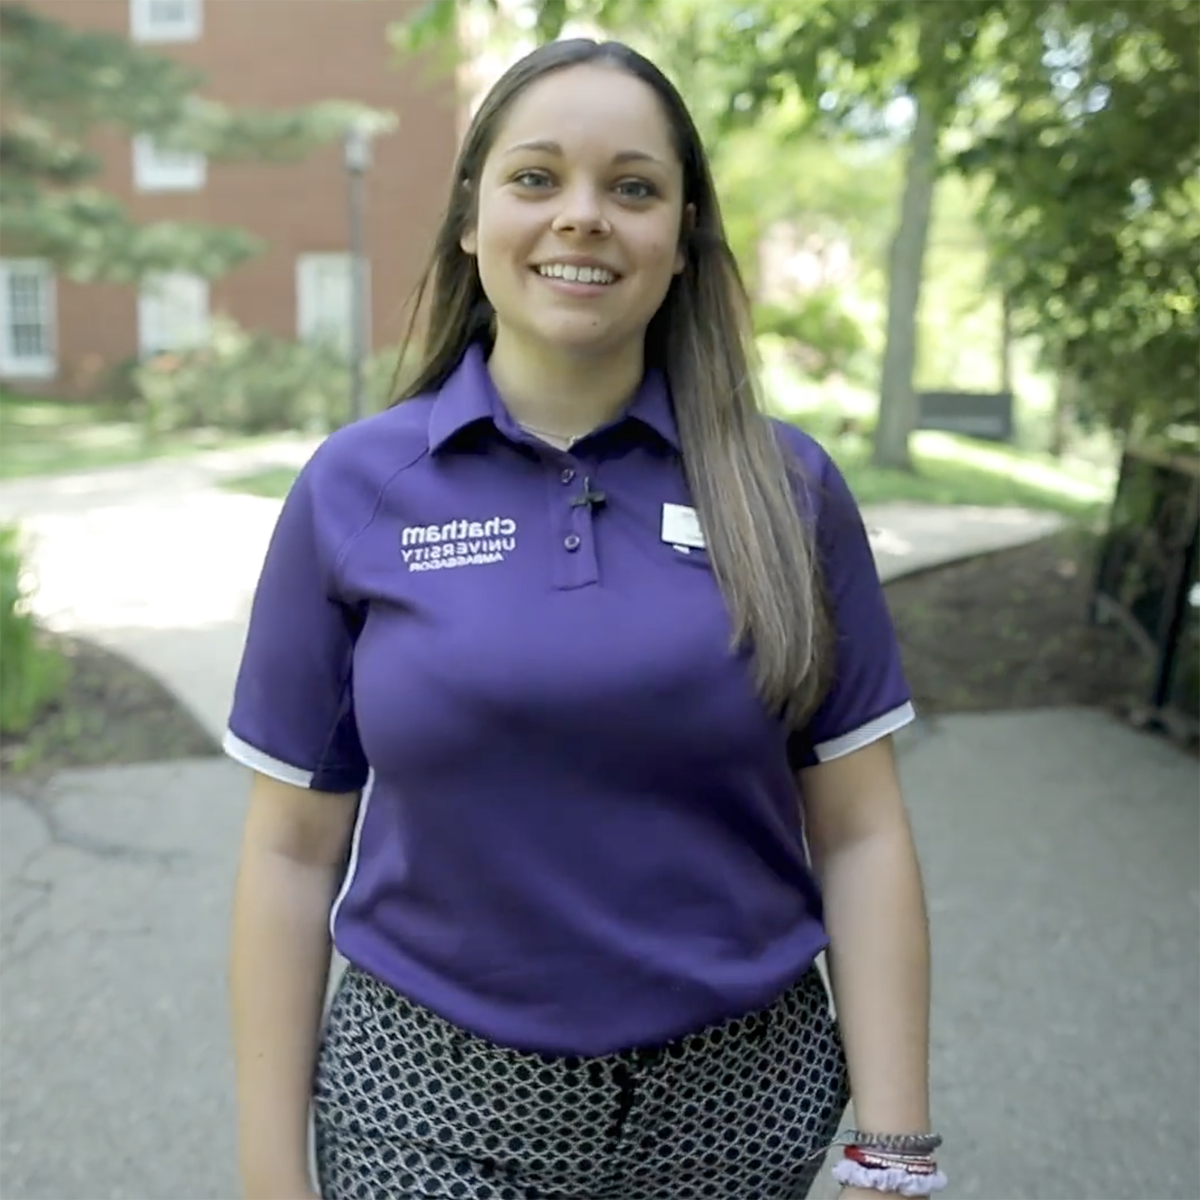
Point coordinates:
[(761, 550)]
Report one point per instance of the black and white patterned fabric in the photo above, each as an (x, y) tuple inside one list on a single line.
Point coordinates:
[(408, 1105)]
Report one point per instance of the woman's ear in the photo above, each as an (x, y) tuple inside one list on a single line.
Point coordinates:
[(687, 228), (469, 242)]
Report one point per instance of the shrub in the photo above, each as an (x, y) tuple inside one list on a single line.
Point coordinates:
[(31, 675), (252, 382), (821, 337)]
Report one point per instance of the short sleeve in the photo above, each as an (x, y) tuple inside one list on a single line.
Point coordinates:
[(869, 696), (292, 715)]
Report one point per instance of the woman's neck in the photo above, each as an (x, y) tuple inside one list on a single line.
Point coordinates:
[(568, 395)]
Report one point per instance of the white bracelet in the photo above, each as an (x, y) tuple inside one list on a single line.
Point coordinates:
[(896, 1180)]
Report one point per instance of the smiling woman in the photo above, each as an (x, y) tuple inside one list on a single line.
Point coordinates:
[(557, 671), (596, 219)]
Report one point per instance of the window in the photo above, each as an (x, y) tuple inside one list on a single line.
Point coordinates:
[(323, 283), (172, 314), (27, 319), (159, 169), (165, 20)]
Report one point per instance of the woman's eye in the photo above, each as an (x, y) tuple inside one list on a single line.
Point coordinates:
[(636, 189), (531, 179)]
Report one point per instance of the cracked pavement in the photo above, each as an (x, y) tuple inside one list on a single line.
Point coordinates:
[(114, 893), (1059, 851)]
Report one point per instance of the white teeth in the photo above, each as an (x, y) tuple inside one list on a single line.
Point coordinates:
[(574, 274)]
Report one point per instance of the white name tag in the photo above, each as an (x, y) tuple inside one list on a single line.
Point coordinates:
[(681, 526)]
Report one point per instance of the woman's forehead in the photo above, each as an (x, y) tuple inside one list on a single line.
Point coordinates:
[(587, 109)]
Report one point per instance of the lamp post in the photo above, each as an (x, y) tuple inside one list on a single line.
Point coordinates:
[(358, 159)]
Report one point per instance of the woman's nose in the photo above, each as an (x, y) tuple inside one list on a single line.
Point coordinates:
[(581, 213)]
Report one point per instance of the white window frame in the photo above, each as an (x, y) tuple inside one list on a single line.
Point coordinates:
[(158, 295), (312, 324), (14, 365), (146, 25), (158, 168)]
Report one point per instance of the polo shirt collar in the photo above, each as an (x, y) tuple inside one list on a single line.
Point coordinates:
[(468, 397)]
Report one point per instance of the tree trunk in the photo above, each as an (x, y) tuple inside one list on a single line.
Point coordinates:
[(1006, 344), (1063, 417), (897, 399)]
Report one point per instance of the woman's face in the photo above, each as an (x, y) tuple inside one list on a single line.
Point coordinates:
[(579, 213)]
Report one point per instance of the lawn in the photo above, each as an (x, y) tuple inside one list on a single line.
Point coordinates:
[(272, 483), (53, 437), (950, 470), (960, 470)]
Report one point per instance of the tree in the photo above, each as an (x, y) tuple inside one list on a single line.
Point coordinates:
[(840, 65), (60, 85), (1078, 115), (1094, 206)]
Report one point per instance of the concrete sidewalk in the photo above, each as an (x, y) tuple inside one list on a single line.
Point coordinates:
[(1059, 851)]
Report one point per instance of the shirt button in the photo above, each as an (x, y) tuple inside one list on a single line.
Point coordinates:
[(567, 475), (571, 541)]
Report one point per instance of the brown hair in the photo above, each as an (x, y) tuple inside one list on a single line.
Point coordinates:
[(761, 550)]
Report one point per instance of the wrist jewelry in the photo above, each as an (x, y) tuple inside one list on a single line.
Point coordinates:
[(899, 1163)]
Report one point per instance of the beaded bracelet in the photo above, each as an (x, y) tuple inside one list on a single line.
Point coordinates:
[(896, 1143)]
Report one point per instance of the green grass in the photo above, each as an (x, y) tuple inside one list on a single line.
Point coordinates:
[(274, 483), (53, 437), (958, 470)]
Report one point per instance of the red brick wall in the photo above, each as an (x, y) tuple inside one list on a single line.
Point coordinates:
[(278, 54)]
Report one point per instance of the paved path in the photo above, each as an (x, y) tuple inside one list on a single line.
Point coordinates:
[(1060, 856), (158, 563)]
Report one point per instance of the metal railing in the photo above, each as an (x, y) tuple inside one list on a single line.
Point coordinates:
[(1147, 582)]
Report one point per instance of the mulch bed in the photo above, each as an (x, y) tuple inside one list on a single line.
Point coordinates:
[(1010, 631), (1006, 631), (111, 713)]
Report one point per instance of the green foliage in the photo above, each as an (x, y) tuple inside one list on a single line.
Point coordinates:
[(252, 382), (31, 675), (62, 84), (1094, 208), (1074, 120), (820, 336)]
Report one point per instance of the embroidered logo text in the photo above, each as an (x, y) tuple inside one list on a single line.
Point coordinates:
[(457, 543)]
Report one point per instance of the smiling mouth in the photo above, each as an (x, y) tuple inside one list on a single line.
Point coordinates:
[(600, 276)]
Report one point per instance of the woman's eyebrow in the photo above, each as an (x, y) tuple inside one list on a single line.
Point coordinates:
[(548, 147)]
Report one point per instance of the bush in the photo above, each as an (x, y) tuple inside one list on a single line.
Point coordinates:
[(252, 382), (821, 337), (31, 675)]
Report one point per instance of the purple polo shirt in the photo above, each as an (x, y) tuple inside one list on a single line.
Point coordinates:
[(579, 829)]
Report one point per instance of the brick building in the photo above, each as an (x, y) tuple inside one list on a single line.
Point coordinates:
[(59, 337)]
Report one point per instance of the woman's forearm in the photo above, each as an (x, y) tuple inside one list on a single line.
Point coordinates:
[(879, 970), (278, 976)]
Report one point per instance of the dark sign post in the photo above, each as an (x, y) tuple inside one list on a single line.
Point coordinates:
[(1146, 578)]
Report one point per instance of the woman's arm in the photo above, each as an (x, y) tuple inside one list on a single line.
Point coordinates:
[(863, 854), (292, 856)]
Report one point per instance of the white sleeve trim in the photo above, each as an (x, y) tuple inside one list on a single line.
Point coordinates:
[(264, 764), (352, 862), (864, 735)]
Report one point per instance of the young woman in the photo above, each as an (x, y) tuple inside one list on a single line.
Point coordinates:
[(568, 690)]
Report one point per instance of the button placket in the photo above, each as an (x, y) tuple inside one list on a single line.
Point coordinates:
[(573, 552)]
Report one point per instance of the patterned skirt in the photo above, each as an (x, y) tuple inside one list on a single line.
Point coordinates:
[(408, 1105)]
